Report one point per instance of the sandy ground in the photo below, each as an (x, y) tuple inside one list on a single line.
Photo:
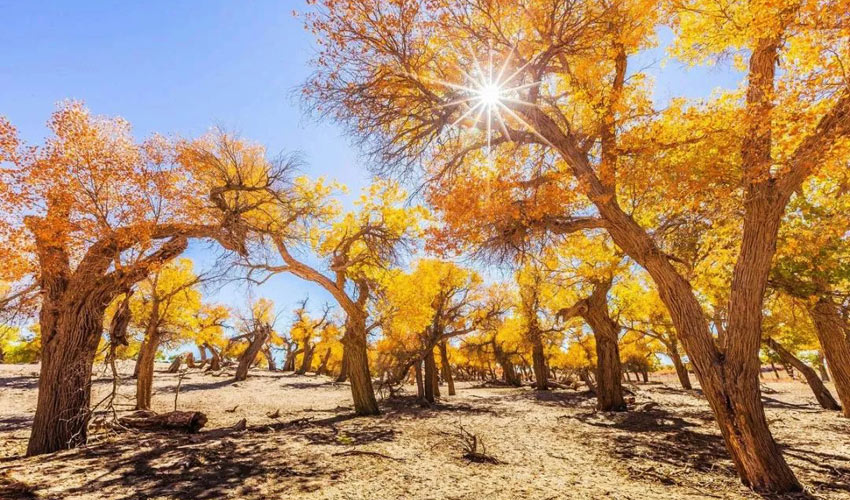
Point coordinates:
[(550, 445)]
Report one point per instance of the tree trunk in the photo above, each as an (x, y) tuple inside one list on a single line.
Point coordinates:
[(190, 360), (147, 358), (175, 365), (267, 352), (203, 353), (429, 377), (250, 354), (307, 359), (584, 375), (508, 371), (289, 363), (447, 369), (775, 371), (185, 421), (824, 374), (420, 384), (609, 372), (829, 326), (137, 365), (538, 359), (323, 364), (343, 369), (681, 370), (820, 391), (215, 362), (357, 352)]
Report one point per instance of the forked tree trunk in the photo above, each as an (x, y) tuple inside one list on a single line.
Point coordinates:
[(289, 363), (357, 352), (147, 358), (250, 354), (829, 326), (215, 361), (681, 370), (447, 369), (820, 391), (609, 372)]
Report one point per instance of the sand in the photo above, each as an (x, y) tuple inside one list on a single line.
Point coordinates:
[(549, 445)]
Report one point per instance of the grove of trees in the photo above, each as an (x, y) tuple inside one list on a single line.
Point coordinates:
[(710, 233)]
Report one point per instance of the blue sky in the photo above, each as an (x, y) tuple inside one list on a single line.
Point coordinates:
[(180, 67)]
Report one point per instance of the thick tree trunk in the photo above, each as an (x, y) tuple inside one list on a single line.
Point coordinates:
[(250, 354), (609, 371), (175, 365), (447, 369), (509, 373), (538, 359), (820, 391), (267, 352), (420, 383), (190, 360), (323, 364), (429, 376), (137, 365), (144, 382), (70, 333), (829, 326), (203, 352), (357, 352), (681, 370), (289, 363)]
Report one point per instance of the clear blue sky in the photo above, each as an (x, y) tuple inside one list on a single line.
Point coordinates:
[(180, 67)]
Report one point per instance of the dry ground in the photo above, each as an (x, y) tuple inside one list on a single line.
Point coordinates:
[(550, 445)]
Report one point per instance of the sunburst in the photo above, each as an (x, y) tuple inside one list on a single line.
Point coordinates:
[(488, 91)]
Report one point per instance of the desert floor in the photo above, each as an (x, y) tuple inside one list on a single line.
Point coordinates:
[(549, 445)]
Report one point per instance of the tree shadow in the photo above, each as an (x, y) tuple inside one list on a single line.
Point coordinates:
[(564, 399), (10, 424), (20, 382), (412, 406), (194, 386), (823, 471), (769, 402)]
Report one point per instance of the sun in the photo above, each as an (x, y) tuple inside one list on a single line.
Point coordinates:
[(487, 97)]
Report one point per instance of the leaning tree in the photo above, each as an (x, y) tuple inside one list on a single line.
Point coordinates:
[(536, 80)]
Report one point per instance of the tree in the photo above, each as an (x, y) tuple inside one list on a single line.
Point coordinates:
[(353, 249), (391, 72), (257, 329), (98, 213), (164, 306)]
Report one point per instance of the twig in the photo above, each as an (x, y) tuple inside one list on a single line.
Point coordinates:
[(349, 453)]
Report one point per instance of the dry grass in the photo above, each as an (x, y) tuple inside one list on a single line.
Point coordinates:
[(548, 445)]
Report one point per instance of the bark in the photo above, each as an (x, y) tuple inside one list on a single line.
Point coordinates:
[(307, 359), (323, 364), (137, 365), (356, 350), (681, 370), (259, 338), (420, 384), (429, 376), (447, 369), (824, 374), (190, 360), (289, 363), (203, 351), (215, 362), (508, 370), (829, 326), (538, 359), (267, 352), (606, 332), (343, 369), (184, 421), (820, 391), (175, 365), (146, 360)]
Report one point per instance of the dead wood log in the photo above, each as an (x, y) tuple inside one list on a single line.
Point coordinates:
[(185, 421)]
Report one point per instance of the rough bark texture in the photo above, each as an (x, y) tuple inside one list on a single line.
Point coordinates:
[(820, 391), (144, 381), (606, 332), (538, 361), (343, 369), (356, 350), (447, 369), (429, 376), (247, 359), (681, 370), (829, 326), (307, 359), (184, 421), (509, 373)]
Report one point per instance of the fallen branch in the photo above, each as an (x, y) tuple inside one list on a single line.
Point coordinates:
[(185, 421), (350, 453)]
